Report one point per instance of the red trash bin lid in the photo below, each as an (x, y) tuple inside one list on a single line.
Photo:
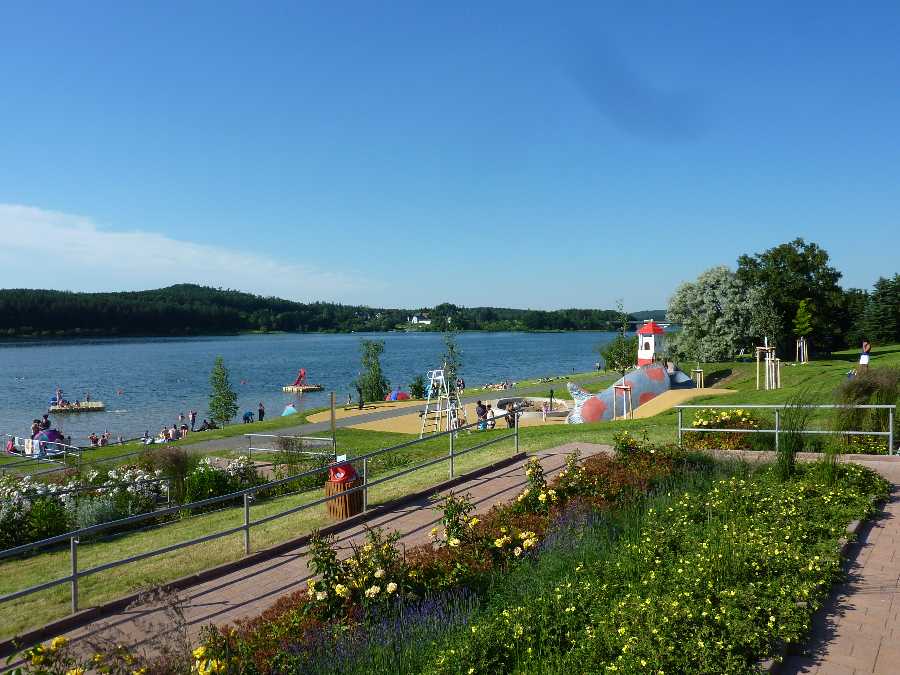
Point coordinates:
[(342, 473)]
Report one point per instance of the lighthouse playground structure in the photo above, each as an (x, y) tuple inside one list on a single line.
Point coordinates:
[(652, 387)]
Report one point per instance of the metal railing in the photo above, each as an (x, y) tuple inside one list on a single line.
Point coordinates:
[(247, 495), (778, 431), (32, 450), (317, 441)]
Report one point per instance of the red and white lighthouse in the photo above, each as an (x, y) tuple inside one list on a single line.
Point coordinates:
[(651, 341)]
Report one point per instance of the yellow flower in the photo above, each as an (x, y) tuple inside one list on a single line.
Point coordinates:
[(474, 522), (200, 652), (341, 590), (542, 497), (379, 573), (75, 671), (517, 552), (321, 595), (58, 643), (139, 671), (391, 587), (453, 543), (373, 591)]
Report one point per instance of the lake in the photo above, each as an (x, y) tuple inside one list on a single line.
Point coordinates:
[(146, 382)]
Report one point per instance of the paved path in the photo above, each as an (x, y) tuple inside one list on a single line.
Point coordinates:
[(859, 630), (247, 592)]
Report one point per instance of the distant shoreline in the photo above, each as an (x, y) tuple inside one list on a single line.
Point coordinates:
[(65, 337)]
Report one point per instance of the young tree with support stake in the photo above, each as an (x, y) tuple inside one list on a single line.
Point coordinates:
[(371, 383), (222, 399), (620, 354)]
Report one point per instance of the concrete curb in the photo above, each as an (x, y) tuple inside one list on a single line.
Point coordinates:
[(30, 638)]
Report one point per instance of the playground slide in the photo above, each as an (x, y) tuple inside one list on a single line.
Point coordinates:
[(646, 383)]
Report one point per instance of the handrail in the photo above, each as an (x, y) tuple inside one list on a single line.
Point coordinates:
[(74, 536), (892, 409)]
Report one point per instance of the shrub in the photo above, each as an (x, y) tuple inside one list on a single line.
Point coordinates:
[(879, 386), (47, 518), (210, 480), (90, 512), (175, 464)]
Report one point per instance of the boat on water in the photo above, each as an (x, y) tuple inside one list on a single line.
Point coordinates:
[(59, 404), (78, 406), (301, 386)]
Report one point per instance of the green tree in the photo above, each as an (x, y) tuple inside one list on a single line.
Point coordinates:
[(222, 398), (417, 387), (803, 319), (451, 360), (621, 353), (715, 313), (789, 273), (881, 319), (371, 383)]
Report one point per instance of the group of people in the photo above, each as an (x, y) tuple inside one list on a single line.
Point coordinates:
[(39, 425), (247, 417), (187, 424), (500, 386), (103, 439), (487, 417)]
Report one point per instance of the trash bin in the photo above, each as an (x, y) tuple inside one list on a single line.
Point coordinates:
[(342, 478)]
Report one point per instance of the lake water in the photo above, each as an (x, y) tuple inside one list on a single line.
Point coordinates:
[(145, 383)]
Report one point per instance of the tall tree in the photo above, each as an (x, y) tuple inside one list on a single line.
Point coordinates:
[(371, 383), (790, 272), (881, 320), (620, 354), (222, 398), (715, 313)]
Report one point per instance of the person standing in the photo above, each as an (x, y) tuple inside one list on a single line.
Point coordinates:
[(489, 417), (261, 412), (864, 357), (193, 416)]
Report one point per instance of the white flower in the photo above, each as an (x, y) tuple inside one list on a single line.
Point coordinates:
[(379, 573), (373, 591), (391, 587)]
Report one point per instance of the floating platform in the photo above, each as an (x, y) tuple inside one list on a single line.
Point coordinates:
[(84, 406), (302, 388)]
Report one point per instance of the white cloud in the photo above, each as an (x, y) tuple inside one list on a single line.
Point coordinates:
[(49, 249)]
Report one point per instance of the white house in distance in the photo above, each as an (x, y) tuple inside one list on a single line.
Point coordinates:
[(417, 320), (651, 341)]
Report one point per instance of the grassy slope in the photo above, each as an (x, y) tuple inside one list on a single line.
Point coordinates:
[(39, 608)]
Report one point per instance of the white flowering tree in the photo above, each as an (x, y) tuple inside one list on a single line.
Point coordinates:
[(716, 316)]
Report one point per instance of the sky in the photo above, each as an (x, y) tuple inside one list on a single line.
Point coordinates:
[(404, 154)]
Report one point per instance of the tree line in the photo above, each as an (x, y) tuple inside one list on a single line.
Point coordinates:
[(188, 309), (781, 294)]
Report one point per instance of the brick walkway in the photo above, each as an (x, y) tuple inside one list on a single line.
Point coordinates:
[(856, 632), (251, 590)]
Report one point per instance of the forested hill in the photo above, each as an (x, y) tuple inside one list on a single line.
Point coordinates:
[(187, 309)]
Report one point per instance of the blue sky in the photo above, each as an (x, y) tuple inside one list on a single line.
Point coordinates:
[(406, 154)]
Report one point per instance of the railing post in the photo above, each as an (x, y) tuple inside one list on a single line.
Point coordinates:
[(73, 548), (890, 431), (365, 484), (777, 427), (450, 435), (246, 523), (516, 421), (680, 425)]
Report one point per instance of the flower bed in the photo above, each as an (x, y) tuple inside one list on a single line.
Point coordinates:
[(31, 510), (721, 419)]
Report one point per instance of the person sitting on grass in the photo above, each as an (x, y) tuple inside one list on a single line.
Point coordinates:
[(489, 417), (248, 417)]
